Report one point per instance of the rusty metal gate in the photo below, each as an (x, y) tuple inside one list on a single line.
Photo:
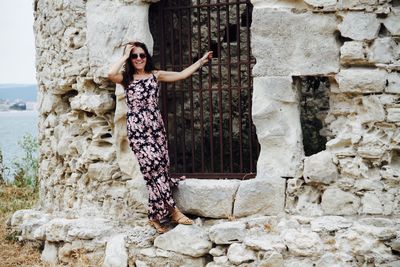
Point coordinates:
[(207, 116)]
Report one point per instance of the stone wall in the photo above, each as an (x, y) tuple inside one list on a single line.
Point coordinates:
[(338, 207)]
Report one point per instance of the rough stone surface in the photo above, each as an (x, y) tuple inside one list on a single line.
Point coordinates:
[(275, 260), (259, 196), (302, 243), (353, 52), (188, 240), (238, 253), (357, 80), (50, 253), (116, 254), (360, 26), (319, 168), (330, 223), (338, 202), (303, 39), (213, 199), (227, 233)]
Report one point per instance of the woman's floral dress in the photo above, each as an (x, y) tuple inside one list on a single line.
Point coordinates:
[(147, 139)]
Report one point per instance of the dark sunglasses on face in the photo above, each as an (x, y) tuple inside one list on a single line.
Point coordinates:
[(135, 56)]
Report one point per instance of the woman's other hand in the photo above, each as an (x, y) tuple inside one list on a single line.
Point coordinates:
[(207, 57)]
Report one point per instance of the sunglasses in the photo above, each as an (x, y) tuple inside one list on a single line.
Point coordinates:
[(135, 56)]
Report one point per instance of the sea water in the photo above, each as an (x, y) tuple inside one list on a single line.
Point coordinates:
[(13, 126)]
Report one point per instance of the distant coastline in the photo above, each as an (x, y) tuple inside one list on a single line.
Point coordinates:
[(18, 97), (13, 92)]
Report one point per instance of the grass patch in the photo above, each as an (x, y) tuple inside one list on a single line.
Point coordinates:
[(12, 252)]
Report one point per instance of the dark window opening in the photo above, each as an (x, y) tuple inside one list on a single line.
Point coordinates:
[(314, 107), (207, 116)]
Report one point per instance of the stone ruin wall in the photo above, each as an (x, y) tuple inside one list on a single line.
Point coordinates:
[(338, 207)]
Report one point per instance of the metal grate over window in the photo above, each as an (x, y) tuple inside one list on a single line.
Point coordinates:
[(207, 116)]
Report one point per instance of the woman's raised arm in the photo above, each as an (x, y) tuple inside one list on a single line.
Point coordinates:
[(114, 73), (173, 76)]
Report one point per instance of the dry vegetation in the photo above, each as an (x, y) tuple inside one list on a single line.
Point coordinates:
[(12, 252)]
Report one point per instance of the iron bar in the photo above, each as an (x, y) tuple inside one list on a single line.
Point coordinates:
[(221, 122), (200, 92), (191, 91), (230, 88), (183, 95), (174, 94), (239, 84), (249, 91), (210, 104)]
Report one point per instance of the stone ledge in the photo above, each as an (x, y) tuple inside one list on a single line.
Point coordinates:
[(225, 198)]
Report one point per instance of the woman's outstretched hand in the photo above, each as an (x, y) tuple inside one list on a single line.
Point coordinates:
[(207, 57)]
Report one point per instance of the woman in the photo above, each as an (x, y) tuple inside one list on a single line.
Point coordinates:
[(146, 132)]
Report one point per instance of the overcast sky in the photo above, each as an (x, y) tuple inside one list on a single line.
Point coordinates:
[(17, 47)]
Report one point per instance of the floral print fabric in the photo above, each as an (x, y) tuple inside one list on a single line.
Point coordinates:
[(147, 139)]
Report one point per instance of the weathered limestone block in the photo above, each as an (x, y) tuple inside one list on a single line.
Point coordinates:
[(330, 259), (274, 260), (321, 3), (338, 202), (360, 26), (238, 253), (293, 43), (359, 242), (139, 263), (278, 127), (393, 114), (60, 229), (49, 102), (262, 242), (353, 52), (356, 4), (30, 223), (358, 80), (116, 254), (126, 159), (50, 253), (227, 232), (369, 108), (99, 150), (371, 204), (218, 251), (128, 22), (302, 242), (206, 198), (100, 171), (383, 50), (303, 199), (368, 185), (393, 83), (98, 104), (222, 260), (330, 223), (260, 196), (391, 22), (319, 168), (189, 240), (352, 167), (276, 88)]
